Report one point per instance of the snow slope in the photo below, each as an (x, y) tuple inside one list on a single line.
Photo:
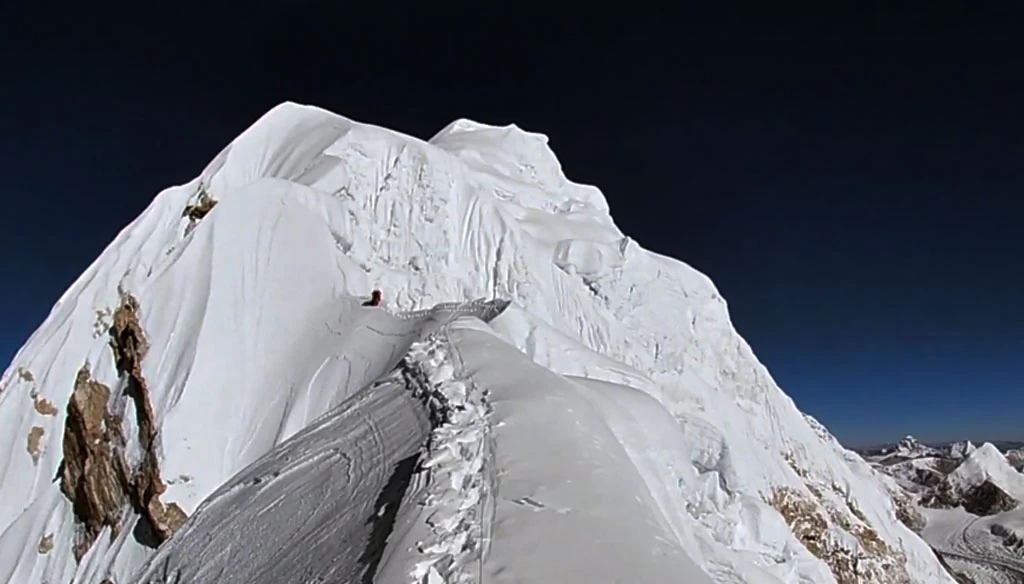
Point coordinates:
[(612, 421), (315, 490)]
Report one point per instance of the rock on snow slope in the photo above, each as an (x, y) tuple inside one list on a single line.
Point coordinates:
[(607, 425)]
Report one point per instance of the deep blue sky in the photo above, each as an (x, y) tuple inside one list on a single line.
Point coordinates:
[(851, 179)]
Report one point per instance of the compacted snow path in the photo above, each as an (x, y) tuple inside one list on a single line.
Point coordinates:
[(307, 509), (959, 535), (455, 457), (319, 506), (413, 460), (479, 511)]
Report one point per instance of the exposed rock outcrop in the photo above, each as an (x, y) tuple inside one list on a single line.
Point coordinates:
[(961, 450), (987, 499), (203, 205), (941, 497), (43, 406), (927, 477), (45, 544), (94, 474), (1009, 538), (872, 561), (1015, 458), (129, 344), (983, 499), (907, 513), (34, 444)]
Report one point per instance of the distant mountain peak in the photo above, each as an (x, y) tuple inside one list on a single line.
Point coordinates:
[(961, 449), (910, 447)]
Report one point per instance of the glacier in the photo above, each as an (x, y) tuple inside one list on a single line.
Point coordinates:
[(966, 503), (538, 399)]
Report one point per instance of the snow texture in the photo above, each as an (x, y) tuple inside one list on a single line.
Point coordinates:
[(609, 425), (316, 490)]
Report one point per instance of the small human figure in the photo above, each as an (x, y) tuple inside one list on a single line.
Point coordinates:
[(375, 299)]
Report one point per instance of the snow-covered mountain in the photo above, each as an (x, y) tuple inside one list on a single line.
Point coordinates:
[(987, 465), (966, 502), (962, 449), (959, 474), (1015, 456), (909, 447), (539, 399)]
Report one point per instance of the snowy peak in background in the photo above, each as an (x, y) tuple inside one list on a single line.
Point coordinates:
[(965, 501), (533, 377), (1015, 456), (961, 449), (987, 464), (909, 447)]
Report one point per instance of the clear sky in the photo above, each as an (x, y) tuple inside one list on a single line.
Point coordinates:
[(851, 180)]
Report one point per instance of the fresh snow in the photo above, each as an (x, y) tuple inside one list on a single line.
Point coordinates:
[(600, 420)]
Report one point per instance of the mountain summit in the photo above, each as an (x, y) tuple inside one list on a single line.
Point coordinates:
[(537, 398), (909, 447)]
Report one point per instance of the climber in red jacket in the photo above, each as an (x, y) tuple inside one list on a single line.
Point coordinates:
[(375, 299)]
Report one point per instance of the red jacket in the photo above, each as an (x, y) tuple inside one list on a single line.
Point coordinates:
[(375, 299)]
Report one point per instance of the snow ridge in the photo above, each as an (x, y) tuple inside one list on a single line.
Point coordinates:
[(257, 329), (455, 456)]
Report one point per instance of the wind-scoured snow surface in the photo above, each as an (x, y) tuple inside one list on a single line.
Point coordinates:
[(599, 421)]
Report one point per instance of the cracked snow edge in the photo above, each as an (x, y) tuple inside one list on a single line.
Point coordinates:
[(454, 459)]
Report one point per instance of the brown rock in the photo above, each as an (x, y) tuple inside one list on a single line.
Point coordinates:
[(35, 443), (987, 499), (200, 208), (166, 519), (129, 344), (45, 544), (44, 406), (92, 472), (95, 476)]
